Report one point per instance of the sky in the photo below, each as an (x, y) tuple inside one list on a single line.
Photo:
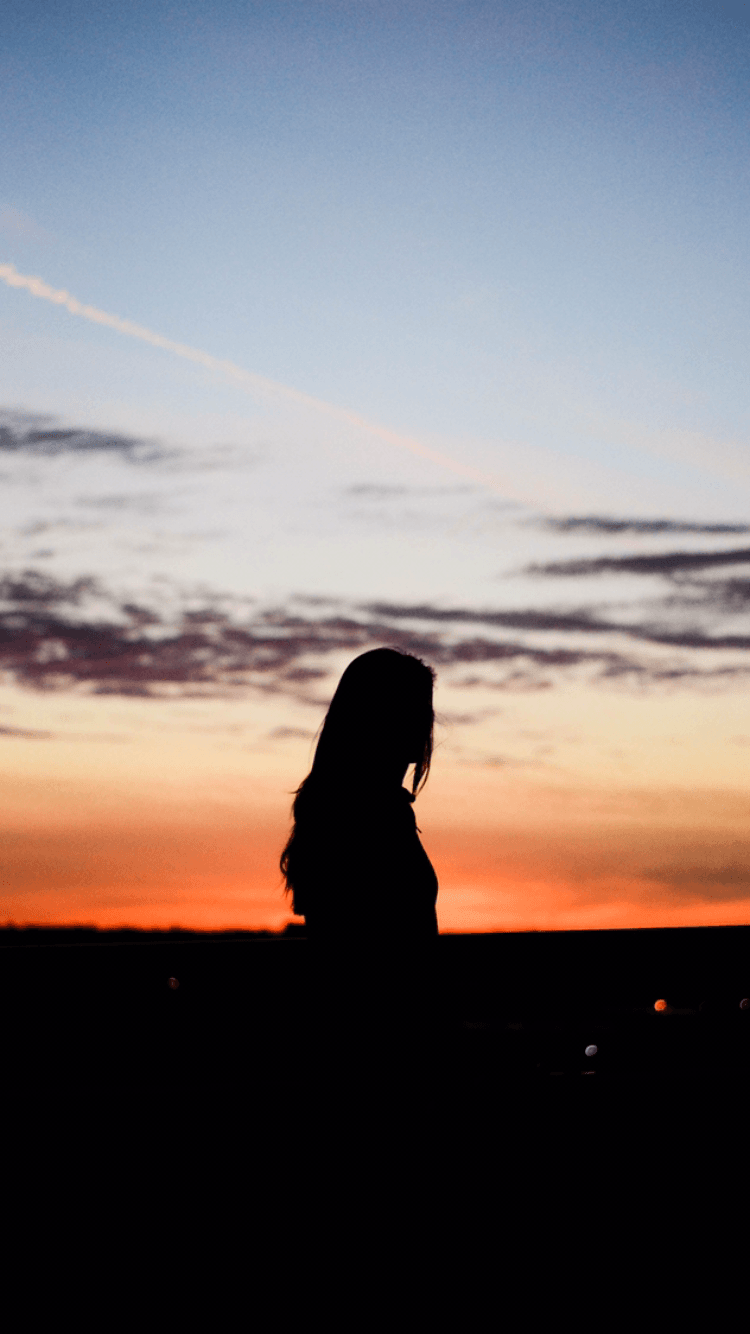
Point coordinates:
[(325, 326)]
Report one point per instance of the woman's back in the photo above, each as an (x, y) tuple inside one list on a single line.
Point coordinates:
[(359, 868)]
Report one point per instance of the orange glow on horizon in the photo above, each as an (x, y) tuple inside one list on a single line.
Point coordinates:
[(211, 877), (179, 829)]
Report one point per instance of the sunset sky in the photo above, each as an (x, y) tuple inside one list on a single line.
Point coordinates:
[(330, 325)]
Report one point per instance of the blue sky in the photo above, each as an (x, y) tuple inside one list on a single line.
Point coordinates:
[(468, 220)]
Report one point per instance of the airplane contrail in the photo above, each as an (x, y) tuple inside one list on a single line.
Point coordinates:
[(257, 384)]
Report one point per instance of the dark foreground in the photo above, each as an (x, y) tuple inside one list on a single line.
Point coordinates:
[(232, 1111), (138, 1008)]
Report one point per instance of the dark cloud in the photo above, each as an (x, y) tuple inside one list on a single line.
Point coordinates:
[(56, 634), (572, 623), (50, 637), (668, 563), (509, 620), (599, 524), (696, 588), (37, 589), (39, 437), (578, 622), (731, 594)]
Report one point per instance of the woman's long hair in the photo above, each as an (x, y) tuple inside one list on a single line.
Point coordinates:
[(381, 714)]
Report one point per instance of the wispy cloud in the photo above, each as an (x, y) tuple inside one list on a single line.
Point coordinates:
[(26, 733), (374, 491), (510, 620), (34, 435), (722, 883), (693, 588), (665, 563), (258, 385), (145, 503), (599, 524), (371, 491)]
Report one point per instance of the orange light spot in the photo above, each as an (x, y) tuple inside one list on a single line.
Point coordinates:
[(660, 1005)]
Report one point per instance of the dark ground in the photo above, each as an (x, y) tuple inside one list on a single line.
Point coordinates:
[(82, 1006), (224, 1108)]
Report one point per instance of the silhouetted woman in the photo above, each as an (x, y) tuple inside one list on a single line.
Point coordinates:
[(354, 862)]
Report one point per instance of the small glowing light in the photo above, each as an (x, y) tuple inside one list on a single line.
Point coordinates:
[(660, 1005), (172, 983), (592, 1050), (745, 1003)]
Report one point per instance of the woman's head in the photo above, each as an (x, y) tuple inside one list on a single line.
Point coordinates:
[(380, 719)]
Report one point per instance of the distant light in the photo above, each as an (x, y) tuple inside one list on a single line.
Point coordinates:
[(660, 1005), (745, 1003), (592, 1050), (172, 983)]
